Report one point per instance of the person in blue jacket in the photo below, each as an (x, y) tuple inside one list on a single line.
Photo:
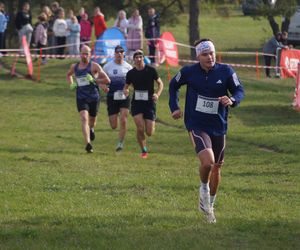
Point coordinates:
[(3, 26), (211, 89)]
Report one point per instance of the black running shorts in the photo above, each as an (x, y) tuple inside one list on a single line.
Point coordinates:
[(114, 106)]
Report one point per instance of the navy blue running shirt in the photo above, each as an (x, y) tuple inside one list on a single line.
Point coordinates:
[(85, 89), (203, 111)]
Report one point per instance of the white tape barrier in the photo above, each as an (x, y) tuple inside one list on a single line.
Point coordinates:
[(18, 53)]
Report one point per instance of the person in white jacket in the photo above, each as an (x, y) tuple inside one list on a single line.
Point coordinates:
[(121, 22), (60, 31), (74, 37)]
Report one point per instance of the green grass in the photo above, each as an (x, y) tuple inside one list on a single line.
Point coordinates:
[(55, 196)]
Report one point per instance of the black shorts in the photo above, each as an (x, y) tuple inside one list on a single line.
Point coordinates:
[(114, 106), (202, 140), (91, 106), (147, 108)]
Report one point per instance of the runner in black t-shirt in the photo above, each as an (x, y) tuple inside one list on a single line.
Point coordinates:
[(143, 104)]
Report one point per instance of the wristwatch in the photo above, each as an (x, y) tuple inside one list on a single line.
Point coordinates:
[(233, 101)]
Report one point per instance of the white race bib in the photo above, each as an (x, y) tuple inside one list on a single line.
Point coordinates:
[(141, 95), (82, 81), (207, 105), (119, 95)]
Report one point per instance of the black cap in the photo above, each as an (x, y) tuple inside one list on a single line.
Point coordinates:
[(119, 48), (138, 53)]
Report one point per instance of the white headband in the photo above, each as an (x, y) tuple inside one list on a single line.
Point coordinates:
[(205, 46)]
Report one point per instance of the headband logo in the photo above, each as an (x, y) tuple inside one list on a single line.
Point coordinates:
[(205, 47)]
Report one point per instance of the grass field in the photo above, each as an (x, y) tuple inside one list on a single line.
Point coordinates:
[(55, 196)]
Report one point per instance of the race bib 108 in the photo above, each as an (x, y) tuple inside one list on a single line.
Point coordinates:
[(207, 105)]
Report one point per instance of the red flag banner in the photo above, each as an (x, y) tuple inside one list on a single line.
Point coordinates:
[(168, 47), (289, 60), (296, 102), (28, 56)]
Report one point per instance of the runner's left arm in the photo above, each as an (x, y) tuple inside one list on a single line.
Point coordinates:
[(159, 89), (236, 89)]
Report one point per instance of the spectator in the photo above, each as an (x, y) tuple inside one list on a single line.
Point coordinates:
[(135, 33), (121, 22), (60, 31), (86, 29), (46, 9), (269, 50), (81, 12), (41, 33), (284, 39), (3, 26), (23, 24), (99, 22), (53, 15), (152, 33), (69, 22), (55, 9), (74, 37)]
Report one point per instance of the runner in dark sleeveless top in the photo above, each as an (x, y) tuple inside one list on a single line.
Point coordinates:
[(88, 77)]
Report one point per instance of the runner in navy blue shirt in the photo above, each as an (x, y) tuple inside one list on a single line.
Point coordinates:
[(88, 74), (211, 89)]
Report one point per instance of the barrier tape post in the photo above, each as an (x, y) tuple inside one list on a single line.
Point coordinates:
[(168, 70), (13, 66), (220, 57), (39, 65), (257, 68)]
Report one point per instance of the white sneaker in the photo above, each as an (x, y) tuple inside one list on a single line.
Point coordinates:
[(210, 217), (204, 201)]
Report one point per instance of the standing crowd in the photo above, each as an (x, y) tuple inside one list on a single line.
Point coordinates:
[(65, 32)]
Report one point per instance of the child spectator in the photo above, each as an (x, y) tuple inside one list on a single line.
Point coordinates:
[(40, 37), (121, 22), (69, 22), (74, 37), (86, 29), (80, 14)]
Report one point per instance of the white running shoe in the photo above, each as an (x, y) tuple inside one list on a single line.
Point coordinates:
[(204, 201), (210, 217)]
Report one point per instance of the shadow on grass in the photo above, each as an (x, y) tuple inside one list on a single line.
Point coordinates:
[(142, 231)]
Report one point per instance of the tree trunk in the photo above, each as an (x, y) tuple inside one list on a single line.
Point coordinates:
[(274, 25), (11, 35), (194, 25), (285, 24)]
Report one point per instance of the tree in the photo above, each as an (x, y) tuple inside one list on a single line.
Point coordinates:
[(271, 9), (194, 24)]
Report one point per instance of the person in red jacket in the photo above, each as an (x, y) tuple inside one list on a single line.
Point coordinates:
[(99, 22)]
